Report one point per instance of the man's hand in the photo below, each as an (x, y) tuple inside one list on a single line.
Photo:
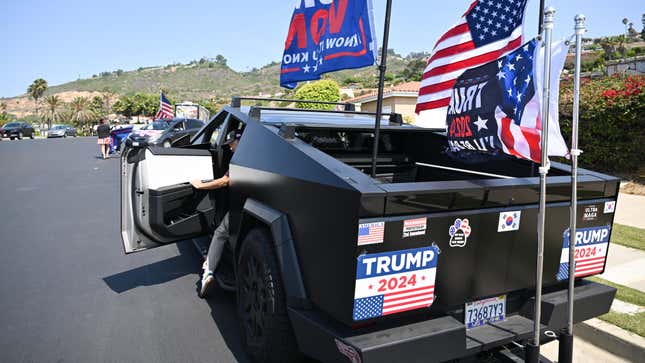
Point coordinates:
[(197, 184)]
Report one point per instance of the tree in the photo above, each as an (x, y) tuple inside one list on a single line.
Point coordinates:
[(97, 106), (4, 116), (108, 95), (53, 113), (124, 106), (81, 114), (324, 90), (414, 70), (36, 90), (146, 104), (219, 59)]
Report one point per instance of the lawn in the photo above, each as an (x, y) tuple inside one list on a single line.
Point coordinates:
[(628, 236), (626, 294), (634, 323)]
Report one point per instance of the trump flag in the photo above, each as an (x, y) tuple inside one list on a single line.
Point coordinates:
[(496, 108), (326, 36)]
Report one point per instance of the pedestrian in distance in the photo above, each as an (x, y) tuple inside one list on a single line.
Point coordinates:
[(103, 132), (221, 235)]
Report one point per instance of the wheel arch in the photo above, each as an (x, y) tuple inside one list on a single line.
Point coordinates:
[(256, 214)]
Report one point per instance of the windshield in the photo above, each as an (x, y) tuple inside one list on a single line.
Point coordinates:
[(12, 124), (156, 125), (58, 127)]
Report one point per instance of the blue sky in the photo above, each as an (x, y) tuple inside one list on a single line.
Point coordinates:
[(63, 40)]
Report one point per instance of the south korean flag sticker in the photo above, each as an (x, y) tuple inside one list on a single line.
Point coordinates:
[(509, 221)]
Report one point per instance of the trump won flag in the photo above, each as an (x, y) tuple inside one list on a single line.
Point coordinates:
[(326, 36), (497, 107)]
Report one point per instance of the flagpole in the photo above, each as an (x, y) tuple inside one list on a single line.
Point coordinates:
[(533, 349), (540, 21), (565, 352), (381, 82)]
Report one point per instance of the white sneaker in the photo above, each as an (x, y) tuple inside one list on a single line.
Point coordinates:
[(207, 283)]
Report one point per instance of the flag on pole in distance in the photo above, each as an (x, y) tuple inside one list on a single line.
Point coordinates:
[(497, 107), (165, 109), (327, 36), (488, 30)]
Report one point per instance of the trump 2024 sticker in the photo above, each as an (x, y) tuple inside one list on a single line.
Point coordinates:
[(393, 282)]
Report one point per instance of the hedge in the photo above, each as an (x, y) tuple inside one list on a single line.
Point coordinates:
[(612, 122)]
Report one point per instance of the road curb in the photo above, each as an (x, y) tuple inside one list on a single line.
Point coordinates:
[(611, 338)]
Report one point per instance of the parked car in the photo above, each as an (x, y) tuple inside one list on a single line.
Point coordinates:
[(61, 131), (18, 129), (426, 259), (164, 132)]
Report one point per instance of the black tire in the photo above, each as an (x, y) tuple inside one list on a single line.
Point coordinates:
[(64, 136), (19, 135), (32, 136), (261, 304), (11, 138)]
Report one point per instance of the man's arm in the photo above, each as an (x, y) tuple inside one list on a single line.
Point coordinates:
[(210, 185)]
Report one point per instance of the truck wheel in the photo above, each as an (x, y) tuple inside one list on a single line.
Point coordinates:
[(261, 303)]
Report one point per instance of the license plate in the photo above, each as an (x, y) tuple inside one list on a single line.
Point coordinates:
[(136, 143), (484, 311)]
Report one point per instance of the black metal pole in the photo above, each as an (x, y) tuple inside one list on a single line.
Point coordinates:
[(541, 20), (381, 81)]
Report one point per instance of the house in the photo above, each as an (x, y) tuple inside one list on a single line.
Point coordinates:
[(401, 99)]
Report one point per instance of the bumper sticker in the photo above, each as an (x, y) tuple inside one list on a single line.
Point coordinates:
[(509, 221), (610, 207), (590, 254), (459, 233), (414, 227), (590, 213), (393, 282), (370, 233)]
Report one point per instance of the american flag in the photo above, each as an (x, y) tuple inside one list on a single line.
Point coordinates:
[(165, 109), (488, 30), (370, 233), (394, 302)]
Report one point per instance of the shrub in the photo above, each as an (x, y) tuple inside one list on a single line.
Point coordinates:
[(323, 90), (612, 125)]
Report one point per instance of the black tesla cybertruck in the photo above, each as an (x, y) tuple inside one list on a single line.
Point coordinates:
[(430, 260)]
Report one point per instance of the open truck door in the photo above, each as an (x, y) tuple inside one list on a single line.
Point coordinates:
[(159, 206)]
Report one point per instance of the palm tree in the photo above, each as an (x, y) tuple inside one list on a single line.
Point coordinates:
[(81, 113), (36, 90), (52, 112), (108, 95)]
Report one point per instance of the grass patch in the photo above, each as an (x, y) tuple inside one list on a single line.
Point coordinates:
[(624, 293), (634, 323), (628, 236)]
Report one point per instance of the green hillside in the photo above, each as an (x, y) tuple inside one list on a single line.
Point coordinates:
[(207, 79)]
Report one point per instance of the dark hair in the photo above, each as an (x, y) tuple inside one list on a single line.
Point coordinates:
[(102, 121)]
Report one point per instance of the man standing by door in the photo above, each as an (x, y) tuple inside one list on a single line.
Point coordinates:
[(221, 234)]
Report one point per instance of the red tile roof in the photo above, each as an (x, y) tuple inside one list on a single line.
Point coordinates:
[(407, 87)]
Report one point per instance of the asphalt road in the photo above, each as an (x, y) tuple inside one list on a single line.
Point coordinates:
[(67, 291)]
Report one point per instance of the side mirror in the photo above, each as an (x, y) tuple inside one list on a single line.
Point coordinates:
[(183, 140)]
